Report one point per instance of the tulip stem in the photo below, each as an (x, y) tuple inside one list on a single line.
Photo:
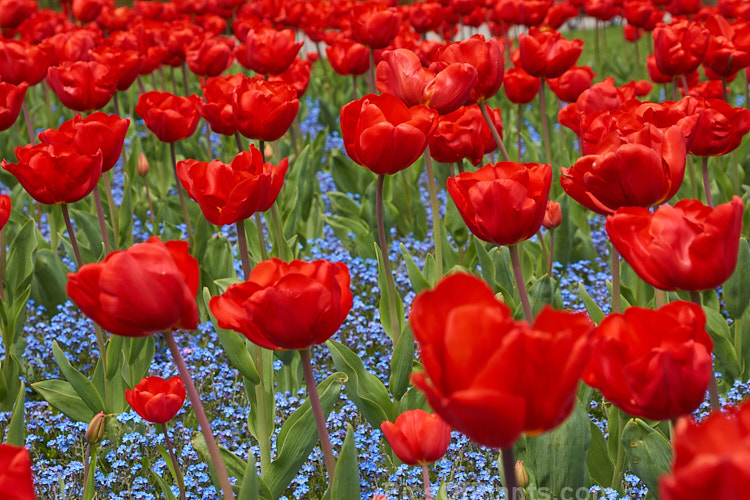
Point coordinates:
[(509, 461), (320, 420), (426, 481), (724, 89), (150, 206), (706, 183), (29, 126), (545, 252), (2, 263), (102, 222), (545, 125), (86, 466), (72, 235), (200, 415), (185, 214), (493, 130), (437, 232), (390, 285), (520, 124), (371, 73), (264, 434), (674, 89), (242, 244), (551, 251), (113, 212), (713, 388), (177, 473), (261, 238), (354, 87), (278, 230), (616, 307), (737, 335), (518, 273), (185, 78)]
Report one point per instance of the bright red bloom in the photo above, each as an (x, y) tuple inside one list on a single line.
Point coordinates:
[(146, 289), (23, 62), (217, 107), (528, 13), (559, 14), (375, 25), (348, 57), (459, 135), (14, 12), (86, 11), (486, 57), (547, 54), (383, 134), (641, 14), (723, 56), (684, 7), (679, 47), (688, 246), (297, 75), (157, 400), (401, 73), (520, 87), (425, 16), (506, 377), (171, 118), (654, 73), (552, 215), (11, 100), (572, 83), (653, 364), (88, 135), (4, 210), (720, 127), (229, 193), (126, 63), (503, 203), (55, 173), (16, 481), (417, 437), (83, 86), (270, 52), (710, 457), (210, 55), (264, 110), (604, 10), (287, 305)]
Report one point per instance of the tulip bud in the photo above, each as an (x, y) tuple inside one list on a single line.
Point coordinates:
[(552, 215), (267, 151), (142, 165), (95, 430), (522, 476)]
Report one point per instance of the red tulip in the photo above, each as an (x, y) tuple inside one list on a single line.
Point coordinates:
[(146, 289), (374, 25), (604, 10), (458, 135), (97, 131), (653, 364), (417, 437), (572, 83), (547, 54), (679, 47), (503, 203), (74, 45), (171, 118), (487, 140), (641, 14), (688, 246), (559, 14), (528, 13), (16, 481), (287, 305), (684, 7), (381, 133), (83, 86), (720, 127), (297, 75), (270, 52), (506, 377), (425, 16), (264, 110), (22, 62), (157, 400), (4, 210), (126, 63), (229, 193), (55, 173), (723, 56), (14, 12), (11, 100), (348, 57), (552, 215), (217, 108), (654, 73), (210, 55), (86, 11), (486, 57), (710, 457)]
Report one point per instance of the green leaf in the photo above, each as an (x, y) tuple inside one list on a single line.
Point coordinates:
[(90, 489), (163, 486), (361, 244), (250, 482), (363, 388), (595, 313), (20, 263), (647, 451), (82, 385), (417, 279), (486, 263), (736, 290), (401, 364), (385, 309), (346, 480), (544, 292), (49, 281), (114, 354), (442, 493), (717, 327), (597, 460), (17, 427), (62, 396)]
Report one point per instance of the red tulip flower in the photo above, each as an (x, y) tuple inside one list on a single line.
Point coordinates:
[(171, 118), (374, 25), (653, 364), (417, 437), (552, 215), (348, 57), (270, 52), (507, 377), (86, 11), (720, 127), (688, 246), (217, 108), (55, 173), (459, 135), (210, 55), (287, 305), (97, 131), (603, 10), (547, 54), (641, 14), (710, 457), (572, 83), (528, 13), (229, 193), (503, 203), (486, 57), (126, 63), (146, 289), (264, 110), (4, 210), (11, 100), (425, 16), (83, 86), (297, 75), (16, 481), (723, 56), (520, 87), (14, 12), (559, 14), (679, 47), (157, 400), (381, 133)]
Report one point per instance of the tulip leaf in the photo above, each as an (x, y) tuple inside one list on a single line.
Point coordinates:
[(544, 292), (114, 354), (717, 326), (401, 364), (598, 463), (344, 205), (413, 399), (17, 427), (82, 385), (163, 486), (50, 279), (298, 437), (354, 234), (346, 480), (442, 493), (363, 388), (20, 263), (250, 488), (595, 313), (736, 290), (417, 279), (385, 309), (62, 396), (140, 354), (647, 451), (89, 235)]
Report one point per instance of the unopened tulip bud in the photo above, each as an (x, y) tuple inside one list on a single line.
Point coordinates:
[(95, 430), (552, 215), (142, 165), (267, 151), (522, 476)]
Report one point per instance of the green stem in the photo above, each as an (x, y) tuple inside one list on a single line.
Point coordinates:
[(2, 263), (102, 222), (278, 230), (242, 244), (706, 182), (264, 434), (616, 307), (320, 420), (518, 273), (185, 214), (150, 206), (390, 285), (177, 472), (713, 388), (738, 339), (261, 238), (493, 131), (113, 212), (72, 235), (371, 73), (545, 125), (437, 231)]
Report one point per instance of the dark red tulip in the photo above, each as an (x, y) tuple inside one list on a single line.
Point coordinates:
[(157, 400), (547, 54), (171, 118), (374, 25), (270, 52), (425, 16), (297, 75), (679, 47), (210, 55), (458, 135), (75, 45), (217, 109), (264, 110), (520, 87), (572, 83), (720, 127), (348, 57), (86, 11), (83, 86), (684, 7), (723, 56), (23, 62), (559, 14), (11, 100), (126, 63), (603, 10), (16, 481), (417, 437), (641, 14), (486, 57), (14, 12)]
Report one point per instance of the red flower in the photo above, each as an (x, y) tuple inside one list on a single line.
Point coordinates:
[(88, 135), (503, 203), (603, 10), (55, 173), (125, 63), (375, 25), (157, 400), (486, 57), (270, 52), (552, 215), (348, 57), (83, 86), (86, 11), (229, 193), (642, 14), (528, 13), (381, 133), (210, 55), (16, 482), (146, 289), (679, 47), (287, 305), (4, 210), (506, 377), (520, 87), (425, 16), (459, 135), (217, 108), (11, 100), (720, 127), (685, 247), (572, 83), (264, 110), (547, 54), (171, 118), (559, 14), (14, 12), (417, 437), (297, 75), (653, 364), (710, 457), (723, 56)]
